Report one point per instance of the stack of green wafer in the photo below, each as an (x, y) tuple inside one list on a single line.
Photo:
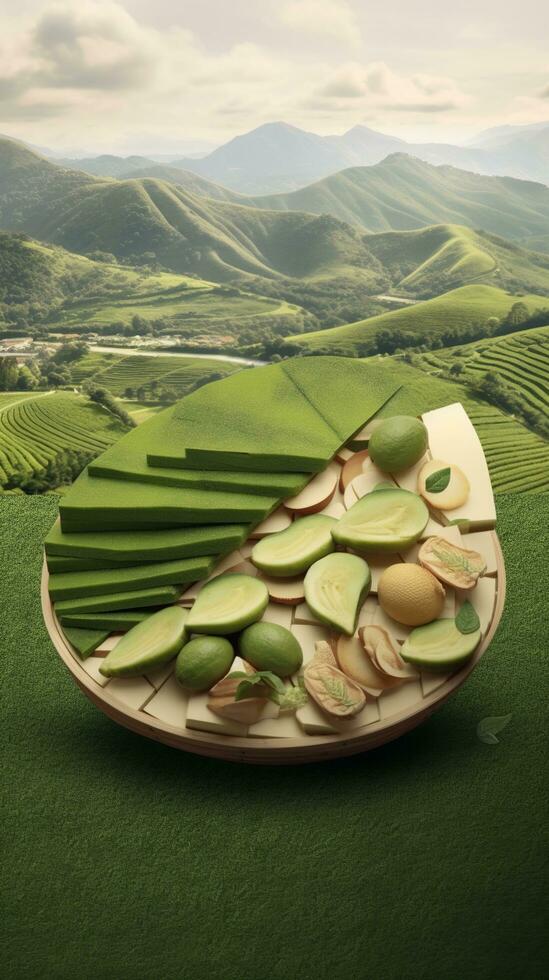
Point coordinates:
[(156, 511)]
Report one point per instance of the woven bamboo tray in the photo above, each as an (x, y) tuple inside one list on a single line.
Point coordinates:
[(126, 701)]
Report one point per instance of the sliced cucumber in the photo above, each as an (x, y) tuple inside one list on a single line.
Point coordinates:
[(335, 588), (385, 520), (295, 549), (151, 643), (227, 604), (439, 646)]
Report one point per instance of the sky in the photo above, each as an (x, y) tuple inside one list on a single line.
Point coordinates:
[(170, 76)]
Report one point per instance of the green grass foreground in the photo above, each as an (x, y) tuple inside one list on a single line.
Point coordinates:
[(126, 860)]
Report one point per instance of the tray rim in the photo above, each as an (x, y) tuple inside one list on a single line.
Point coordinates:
[(268, 751)]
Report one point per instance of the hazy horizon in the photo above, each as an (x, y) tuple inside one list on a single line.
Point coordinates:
[(128, 77)]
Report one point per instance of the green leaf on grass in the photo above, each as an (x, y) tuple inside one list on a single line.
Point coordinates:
[(467, 620), (438, 481), (488, 727)]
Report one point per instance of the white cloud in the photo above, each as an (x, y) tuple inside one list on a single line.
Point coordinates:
[(333, 18), (376, 85), (90, 71)]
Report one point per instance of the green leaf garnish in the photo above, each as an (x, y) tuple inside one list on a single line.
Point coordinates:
[(338, 691), (467, 620), (275, 687), (487, 728), (438, 481)]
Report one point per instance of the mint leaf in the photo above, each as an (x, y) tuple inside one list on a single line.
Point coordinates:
[(246, 688), (488, 727), (467, 620), (438, 481)]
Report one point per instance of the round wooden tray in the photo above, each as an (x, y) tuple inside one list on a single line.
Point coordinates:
[(271, 751)]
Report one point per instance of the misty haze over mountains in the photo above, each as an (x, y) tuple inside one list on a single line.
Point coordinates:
[(277, 157)]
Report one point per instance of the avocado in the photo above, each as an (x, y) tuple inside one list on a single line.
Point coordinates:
[(385, 520), (296, 548), (227, 604), (268, 646), (203, 661), (335, 588), (151, 643)]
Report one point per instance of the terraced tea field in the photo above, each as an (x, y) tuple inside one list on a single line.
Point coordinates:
[(517, 458), (118, 372), (35, 428), (521, 360), (183, 302)]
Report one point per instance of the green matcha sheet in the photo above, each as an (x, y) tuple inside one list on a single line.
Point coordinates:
[(293, 415), (134, 546), (96, 504)]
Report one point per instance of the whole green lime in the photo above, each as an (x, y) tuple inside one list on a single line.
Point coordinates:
[(398, 443), (268, 646), (203, 661)]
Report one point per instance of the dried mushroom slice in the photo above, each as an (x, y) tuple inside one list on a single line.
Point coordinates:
[(356, 664), (384, 654), (451, 564)]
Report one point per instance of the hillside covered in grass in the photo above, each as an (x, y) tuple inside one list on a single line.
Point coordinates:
[(402, 193), (144, 219), (145, 376), (434, 260), (61, 291), (469, 307)]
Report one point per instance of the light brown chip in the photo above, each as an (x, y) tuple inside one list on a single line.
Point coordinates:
[(355, 662), (318, 492), (384, 654)]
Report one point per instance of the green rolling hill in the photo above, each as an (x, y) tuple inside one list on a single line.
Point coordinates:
[(433, 260), (69, 293), (466, 306), (402, 193), (137, 219)]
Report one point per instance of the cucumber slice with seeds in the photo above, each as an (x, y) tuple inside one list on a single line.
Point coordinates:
[(335, 588)]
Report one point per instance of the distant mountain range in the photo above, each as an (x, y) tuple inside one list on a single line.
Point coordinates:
[(277, 157)]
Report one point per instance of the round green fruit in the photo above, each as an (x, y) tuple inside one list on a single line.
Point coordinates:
[(267, 646), (203, 661), (398, 443)]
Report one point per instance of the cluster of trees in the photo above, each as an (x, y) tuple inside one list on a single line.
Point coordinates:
[(330, 302), (102, 396), (18, 377), (61, 470), (152, 392), (156, 392), (520, 318)]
